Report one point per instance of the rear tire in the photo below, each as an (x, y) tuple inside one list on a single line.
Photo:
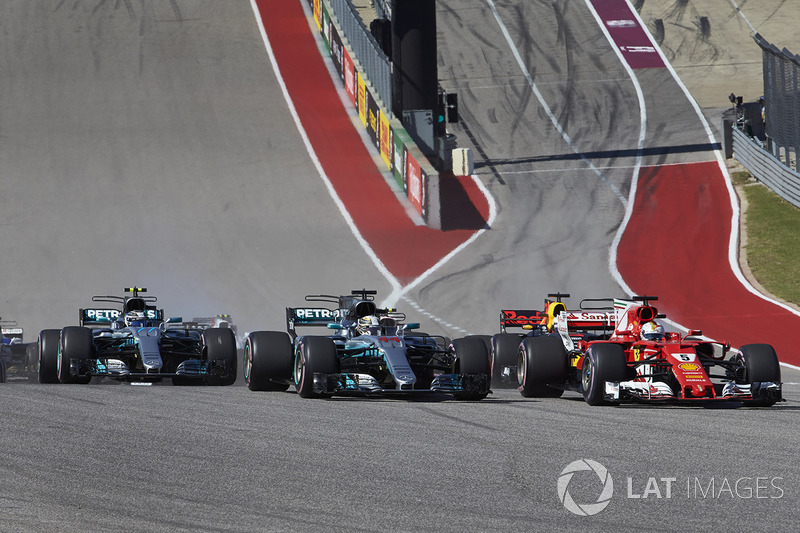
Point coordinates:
[(504, 351), (48, 355), (2, 371), (75, 342), (32, 352), (220, 345), (602, 363), (267, 361), (758, 363), (471, 357), (541, 362), (314, 355)]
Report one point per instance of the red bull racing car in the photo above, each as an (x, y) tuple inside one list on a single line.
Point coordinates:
[(616, 350)]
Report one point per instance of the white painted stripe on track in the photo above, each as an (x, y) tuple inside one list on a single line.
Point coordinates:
[(336, 199), (400, 293), (612, 254), (738, 10)]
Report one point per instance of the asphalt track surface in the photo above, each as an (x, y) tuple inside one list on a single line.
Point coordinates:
[(150, 143)]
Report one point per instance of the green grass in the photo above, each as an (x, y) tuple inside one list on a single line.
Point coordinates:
[(773, 239)]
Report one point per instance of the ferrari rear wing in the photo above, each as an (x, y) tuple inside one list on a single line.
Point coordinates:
[(591, 320)]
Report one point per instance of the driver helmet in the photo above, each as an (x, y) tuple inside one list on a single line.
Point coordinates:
[(652, 331), (368, 325), (135, 318)]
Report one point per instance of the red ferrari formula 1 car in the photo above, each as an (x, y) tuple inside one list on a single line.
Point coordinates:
[(615, 350)]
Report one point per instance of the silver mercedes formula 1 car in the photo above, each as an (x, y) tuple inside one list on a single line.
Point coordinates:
[(369, 351), (136, 344)]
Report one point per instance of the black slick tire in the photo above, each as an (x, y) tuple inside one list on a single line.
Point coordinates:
[(471, 357), (219, 344), (75, 342), (541, 367), (504, 351), (602, 363), (758, 363), (48, 355), (267, 361), (313, 355)]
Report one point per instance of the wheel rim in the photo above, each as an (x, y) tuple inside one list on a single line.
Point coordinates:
[(521, 364), (248, 362), (586, 375), (740, 373), (58, 362), (298, 368)]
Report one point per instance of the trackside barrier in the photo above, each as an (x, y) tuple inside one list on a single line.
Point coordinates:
[(766, 168), (402, 157)]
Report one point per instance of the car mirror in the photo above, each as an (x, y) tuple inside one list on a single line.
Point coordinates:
[(411, 325), (174, 319), (335, 326)]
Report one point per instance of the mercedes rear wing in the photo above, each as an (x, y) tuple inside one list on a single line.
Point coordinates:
[(102, 317), (310, 316)]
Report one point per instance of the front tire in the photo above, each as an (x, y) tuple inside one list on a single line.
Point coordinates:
[(541, 362), (504, 350), (756, 364), (48, 355), (267, 361), (75, 343), (220, 345), (471, 357), (602, 363), (314, 355)]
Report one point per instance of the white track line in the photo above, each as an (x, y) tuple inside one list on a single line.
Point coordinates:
[(401, 292), (752, 29)]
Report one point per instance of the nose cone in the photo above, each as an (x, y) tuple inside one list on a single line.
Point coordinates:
[(700, 391)]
